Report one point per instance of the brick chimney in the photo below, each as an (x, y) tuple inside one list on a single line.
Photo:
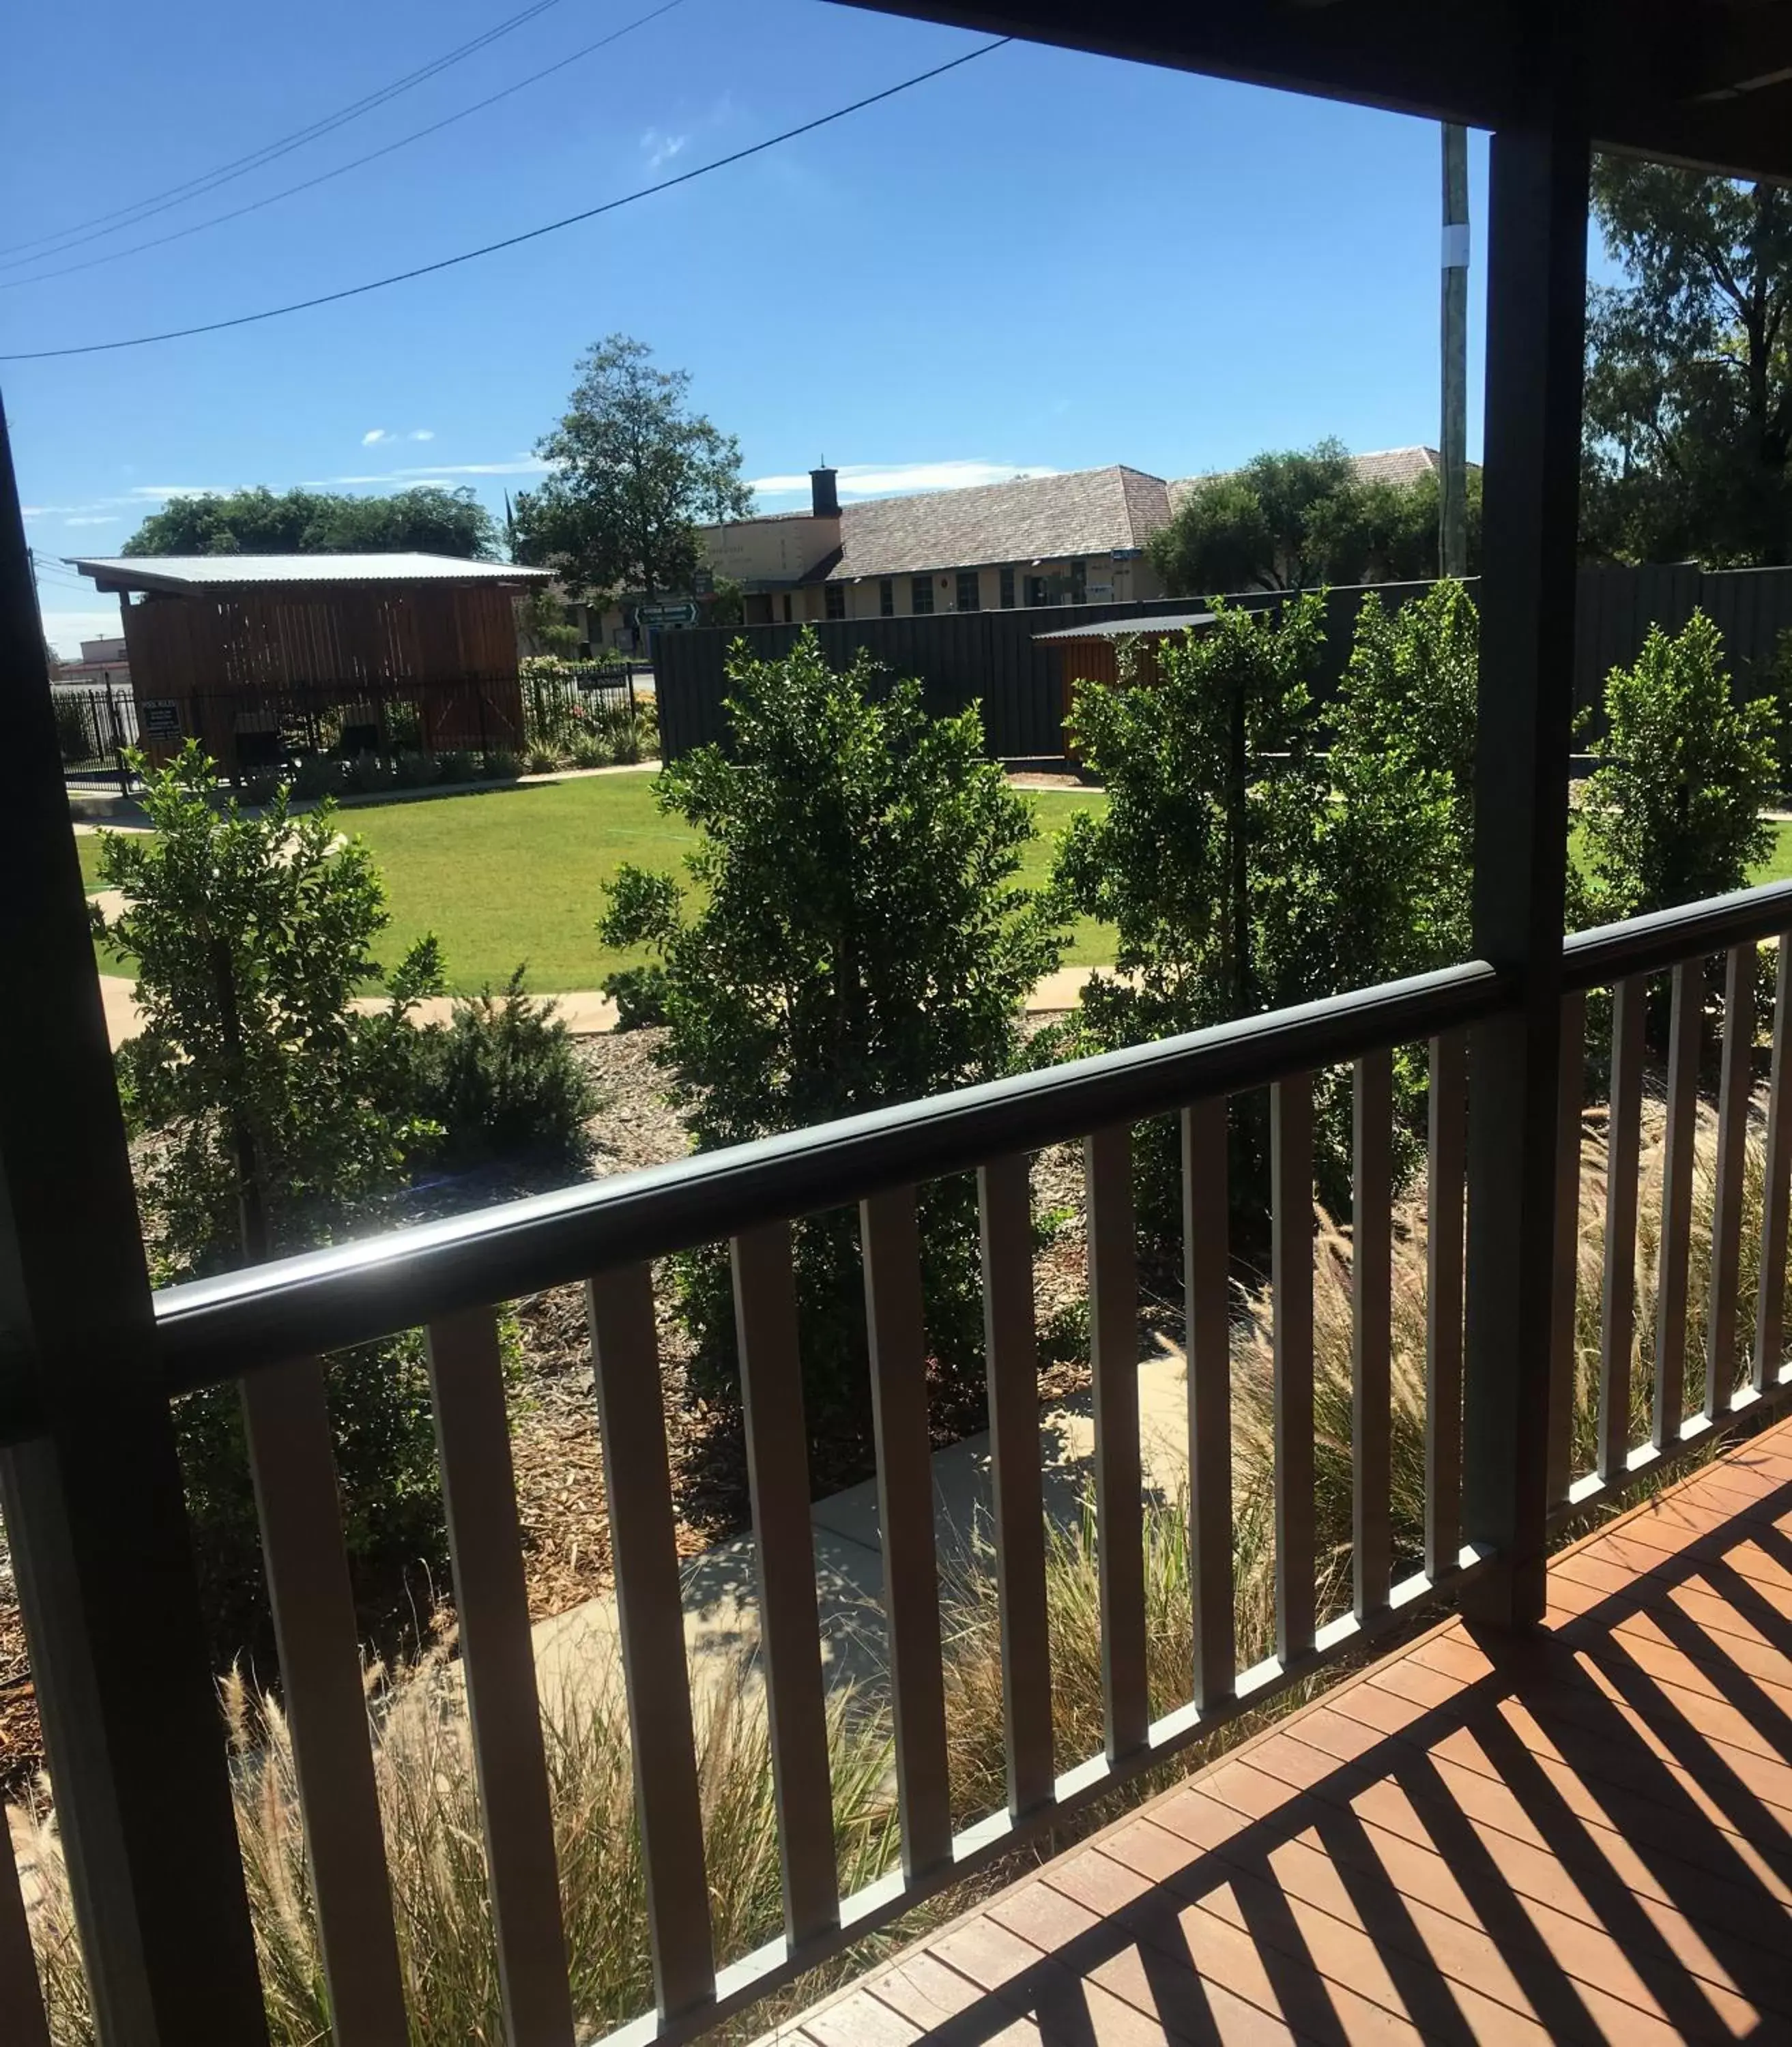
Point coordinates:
[(824, 495)]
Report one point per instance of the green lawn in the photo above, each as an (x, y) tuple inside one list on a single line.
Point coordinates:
[(518, 874)]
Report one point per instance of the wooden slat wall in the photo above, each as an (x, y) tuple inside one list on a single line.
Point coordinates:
[(457, 642)]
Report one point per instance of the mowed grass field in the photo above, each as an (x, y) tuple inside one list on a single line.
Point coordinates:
[(518, 875), (514, 876)]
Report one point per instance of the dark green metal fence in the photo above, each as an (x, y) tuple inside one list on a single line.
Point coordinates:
[(994, 658)]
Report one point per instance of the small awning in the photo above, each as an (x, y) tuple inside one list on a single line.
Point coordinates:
[(1127, 628)]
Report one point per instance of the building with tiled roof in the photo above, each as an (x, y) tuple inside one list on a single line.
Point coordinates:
[(1074, 537)]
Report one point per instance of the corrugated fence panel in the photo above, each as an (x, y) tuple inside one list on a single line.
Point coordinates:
[(994, 658)]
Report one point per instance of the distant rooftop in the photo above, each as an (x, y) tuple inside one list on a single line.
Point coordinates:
[(1080, 512), (1047, 518), (176, 573)]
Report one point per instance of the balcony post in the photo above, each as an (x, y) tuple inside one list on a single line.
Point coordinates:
[(93, 1499), (1536, 323)]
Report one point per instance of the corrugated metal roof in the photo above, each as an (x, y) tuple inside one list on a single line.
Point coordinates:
[(1124, 628), (184, 572)]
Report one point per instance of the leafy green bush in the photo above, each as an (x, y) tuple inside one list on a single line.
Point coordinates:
[(859, 939), (1245, 870), (279, 1118), (639, 993), (502, 1088), (1672, 812)]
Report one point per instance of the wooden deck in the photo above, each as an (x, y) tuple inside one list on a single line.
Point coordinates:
[(1586, 1836)]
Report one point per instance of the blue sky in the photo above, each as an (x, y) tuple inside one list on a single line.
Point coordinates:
[(1041, 260)]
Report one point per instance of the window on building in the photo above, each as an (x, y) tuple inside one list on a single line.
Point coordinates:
[(969, 597), (1079, 583), (787, 608), (1008, 587), (886, 598), (920, 595), (834, 597), (1042, 590)]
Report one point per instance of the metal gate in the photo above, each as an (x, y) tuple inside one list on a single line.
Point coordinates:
[(95, 724)]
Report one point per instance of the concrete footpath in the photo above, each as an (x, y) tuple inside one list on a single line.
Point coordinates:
[(585, 1011), (577, 1649)]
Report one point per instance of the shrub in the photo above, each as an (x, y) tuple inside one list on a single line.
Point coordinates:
[(281, 1118), (415, 771), (1671, 813), (1203, 861), (639, 993), (860, 940), (1245, 872), (499, 766), (501, 1086), (457, 767)]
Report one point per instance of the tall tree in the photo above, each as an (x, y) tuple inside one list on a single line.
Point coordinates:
[(1290, 520), (428, 519), (636, 472), (1689, 391)]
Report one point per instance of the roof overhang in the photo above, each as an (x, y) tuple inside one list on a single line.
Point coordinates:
[(1707, 84), (1154, 626), (120, 576)]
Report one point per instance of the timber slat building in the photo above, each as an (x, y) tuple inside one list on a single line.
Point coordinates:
[(230, 648)]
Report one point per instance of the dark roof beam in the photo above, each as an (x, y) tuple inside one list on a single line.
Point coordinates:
[(1684, 82)]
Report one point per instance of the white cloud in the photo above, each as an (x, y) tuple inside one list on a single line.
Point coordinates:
[(896, 479), (421, 434), (660, 148), (523, 465), (374, 435), (92, 519)]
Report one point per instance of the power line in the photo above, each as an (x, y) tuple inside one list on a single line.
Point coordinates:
[(324, 177), (73, 237), (512, 240)]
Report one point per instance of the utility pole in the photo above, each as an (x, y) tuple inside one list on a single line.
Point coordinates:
[(1453, 438)]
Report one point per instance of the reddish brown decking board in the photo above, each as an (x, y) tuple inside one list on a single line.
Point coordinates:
[(1585, 1837)]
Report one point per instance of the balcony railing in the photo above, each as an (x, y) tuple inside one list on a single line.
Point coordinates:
[(268, 1327)]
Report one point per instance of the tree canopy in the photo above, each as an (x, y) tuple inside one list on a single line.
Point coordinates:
[(1688, 434), (858, 936), (426, 519), (636, 472), (1289, 520)]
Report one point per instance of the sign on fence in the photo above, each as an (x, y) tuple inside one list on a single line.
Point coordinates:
[(160, 718)]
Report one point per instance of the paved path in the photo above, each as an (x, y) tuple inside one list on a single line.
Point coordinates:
[(585, 1011), (577, 1649)]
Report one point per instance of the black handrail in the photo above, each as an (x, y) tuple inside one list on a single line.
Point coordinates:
[(213, 1330), (1664, 938)]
